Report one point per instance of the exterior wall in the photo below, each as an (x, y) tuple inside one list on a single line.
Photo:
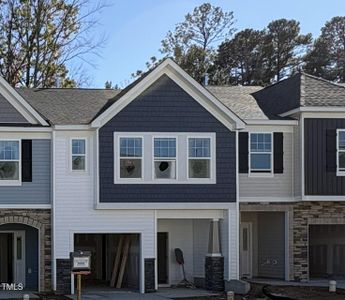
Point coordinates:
[(75, 197), (39, 219), (297, 162), (201, 230), (180, 235), (8, 114), (39, 190), (278, 186), (305, 214), (165, 107), (319, 180)]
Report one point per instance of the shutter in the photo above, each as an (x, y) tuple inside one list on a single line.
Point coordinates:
[(278, 156), (243, 152), (331, 150), (26, 160)]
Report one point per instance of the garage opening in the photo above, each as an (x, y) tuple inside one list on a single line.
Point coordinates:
[(115, 260), (327, 251)]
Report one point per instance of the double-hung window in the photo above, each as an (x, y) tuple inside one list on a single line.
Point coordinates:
[(164, 158), (341, 152), (9, 161), (199, 158), (131, 156), (78, 154), (261, 150)]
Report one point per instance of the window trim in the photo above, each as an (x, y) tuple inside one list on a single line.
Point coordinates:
[(117, 158), (85, 155), (14, 182), (164, 136), (339, 172), (269, 173), (212, 158)]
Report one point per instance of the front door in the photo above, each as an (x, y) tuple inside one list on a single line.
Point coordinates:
[(19, 256), (162, 255), (246, 249), (6, 257)]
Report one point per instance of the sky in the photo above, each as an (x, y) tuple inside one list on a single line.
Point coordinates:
[(135, 28)]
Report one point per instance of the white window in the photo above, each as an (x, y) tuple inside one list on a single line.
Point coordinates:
[(9, 161), (78, 154), (199, 158), (164, 158), (341, 152), (260, 154), (130, 157)]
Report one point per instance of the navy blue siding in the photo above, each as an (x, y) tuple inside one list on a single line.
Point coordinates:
[(320, 162), (166, 107)]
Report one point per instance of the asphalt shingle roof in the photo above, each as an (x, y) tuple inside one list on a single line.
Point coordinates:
[(68, 106)]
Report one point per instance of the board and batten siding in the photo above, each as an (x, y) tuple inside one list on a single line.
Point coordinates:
[(278, 186), (166, 107), (321, 179), (39, 190), (8, 114), (75, 200)]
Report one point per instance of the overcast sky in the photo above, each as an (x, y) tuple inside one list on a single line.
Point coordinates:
[(135, 28)]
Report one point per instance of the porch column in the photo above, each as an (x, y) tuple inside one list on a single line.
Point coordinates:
[(214, 262)]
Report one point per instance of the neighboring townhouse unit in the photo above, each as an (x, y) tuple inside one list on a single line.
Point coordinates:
[(25, 193), (291, 181)]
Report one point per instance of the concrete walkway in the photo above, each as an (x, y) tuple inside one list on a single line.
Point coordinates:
[(16, 294), (161, 294), (313, 282)]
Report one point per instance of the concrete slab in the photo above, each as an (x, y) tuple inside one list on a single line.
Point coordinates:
[(313, 282), (174, 293), (17, 294)]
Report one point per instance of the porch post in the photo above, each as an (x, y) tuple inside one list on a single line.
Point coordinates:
[(214, 262)]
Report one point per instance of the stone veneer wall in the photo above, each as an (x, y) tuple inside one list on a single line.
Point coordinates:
[(39, 219), (309, 213)]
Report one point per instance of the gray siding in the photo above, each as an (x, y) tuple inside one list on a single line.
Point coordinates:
[(8, 114), (37, 191), (318, 179), (271, 245), (166, 107), (281, 185)]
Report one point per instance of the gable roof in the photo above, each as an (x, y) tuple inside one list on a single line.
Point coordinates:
[(19, 104), (68, 106), (186, 82)]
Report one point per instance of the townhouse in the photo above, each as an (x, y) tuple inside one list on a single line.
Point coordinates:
[(246, 181)]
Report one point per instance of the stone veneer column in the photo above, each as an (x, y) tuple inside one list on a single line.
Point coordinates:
[(149, 269), (63, 276), (214, 262)]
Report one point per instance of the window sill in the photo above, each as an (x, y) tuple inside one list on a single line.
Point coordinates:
[(172, 182), (10, 183), (261, 175), (340, 173)]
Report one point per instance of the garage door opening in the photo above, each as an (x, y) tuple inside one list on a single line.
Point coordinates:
[(327, 251), (115, 260)]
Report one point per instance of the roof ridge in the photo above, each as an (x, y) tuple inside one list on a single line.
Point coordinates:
[(55, 88), (323, 79)]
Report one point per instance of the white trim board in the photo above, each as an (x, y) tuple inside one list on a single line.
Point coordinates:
[(180, 77), (19, 103), (25, 206)]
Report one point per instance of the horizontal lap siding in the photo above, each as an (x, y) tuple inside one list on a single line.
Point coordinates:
[(165, 107), (75, 199), (38, 191), (8, 114), (319, 180), (281, 185)]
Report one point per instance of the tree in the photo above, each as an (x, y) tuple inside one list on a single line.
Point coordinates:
[(38, 38), (327, 57), (192, 42), (283, 50), (109, 85), (239, 60)]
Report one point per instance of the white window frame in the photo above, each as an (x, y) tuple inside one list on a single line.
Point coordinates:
[(270, 172), (15, 182), (117, 156), (212, 158), (339, 172), (71, 154), (164, 180)]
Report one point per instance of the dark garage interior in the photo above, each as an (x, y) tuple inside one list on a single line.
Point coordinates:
[(327, 251), (115, 260)]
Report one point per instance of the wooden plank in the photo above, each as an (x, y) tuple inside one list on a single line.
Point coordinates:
[(116, 262), (123, 262)]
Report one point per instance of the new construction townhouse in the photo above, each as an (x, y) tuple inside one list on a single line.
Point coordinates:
[(248, 182)]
